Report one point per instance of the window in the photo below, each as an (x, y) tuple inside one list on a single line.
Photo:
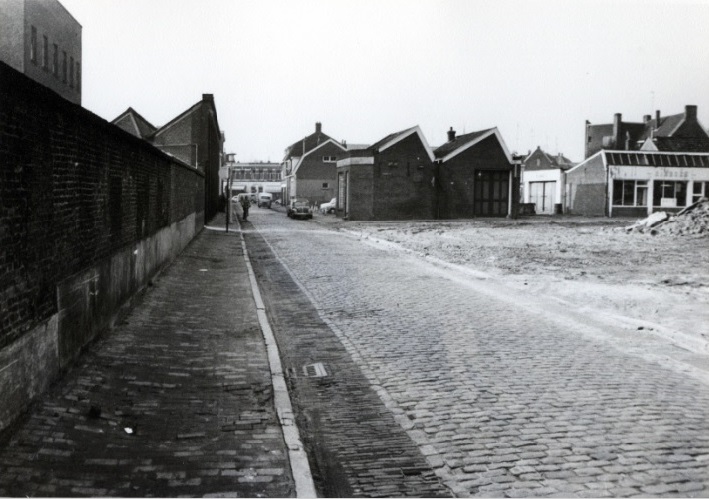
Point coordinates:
[(325, 185), (78, 77), (33, 45), (45, 53), (329, 159), (55, 60), (669, 193), (630, 193), (71, 72), (64, 68), (699, 191)]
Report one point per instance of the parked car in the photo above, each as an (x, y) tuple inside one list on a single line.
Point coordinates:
[(299, 208), (264, 199), (329, 207)]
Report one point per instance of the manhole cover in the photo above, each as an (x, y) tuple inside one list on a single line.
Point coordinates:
[(316, 370)]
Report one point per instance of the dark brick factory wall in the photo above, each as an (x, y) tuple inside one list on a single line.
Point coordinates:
[(75, 193)]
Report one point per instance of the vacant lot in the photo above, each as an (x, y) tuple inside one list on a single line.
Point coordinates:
[(661, 281)]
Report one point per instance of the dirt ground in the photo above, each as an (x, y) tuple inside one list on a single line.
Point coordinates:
[(660, 281)]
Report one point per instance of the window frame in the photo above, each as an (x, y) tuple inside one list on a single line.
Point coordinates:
[(33, 45), (636, 186)]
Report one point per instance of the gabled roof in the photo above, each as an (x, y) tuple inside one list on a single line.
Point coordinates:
[(459, 141), (462, 143), (177, 118), (308, 153), (132, 122), (668, 125), (301, 147), (559, 161), (396, 137)]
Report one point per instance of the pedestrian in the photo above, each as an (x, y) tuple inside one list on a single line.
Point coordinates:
[(245, 204)]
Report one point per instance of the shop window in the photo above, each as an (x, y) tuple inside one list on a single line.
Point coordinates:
[(629, 193), (700, 190), (669, 193)]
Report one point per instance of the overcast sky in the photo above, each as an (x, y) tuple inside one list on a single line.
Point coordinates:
[(365, 68)]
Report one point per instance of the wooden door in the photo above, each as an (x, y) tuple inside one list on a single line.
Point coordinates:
[(491, 193), (542, 194)]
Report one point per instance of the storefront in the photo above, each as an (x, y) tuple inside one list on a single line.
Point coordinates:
[(639, 183)]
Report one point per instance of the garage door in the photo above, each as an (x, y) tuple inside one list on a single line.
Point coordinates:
[(542, 195)]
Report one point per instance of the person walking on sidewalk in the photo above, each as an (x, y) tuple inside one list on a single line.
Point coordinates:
[(245, 204)]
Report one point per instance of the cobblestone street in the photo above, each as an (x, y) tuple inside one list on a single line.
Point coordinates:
[(504, 394)]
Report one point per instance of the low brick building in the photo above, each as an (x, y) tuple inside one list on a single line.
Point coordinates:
[(637, 183), (309, 167), (476, 176), (392, 179)]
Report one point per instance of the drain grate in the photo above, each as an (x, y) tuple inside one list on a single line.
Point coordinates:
[(316, 370)]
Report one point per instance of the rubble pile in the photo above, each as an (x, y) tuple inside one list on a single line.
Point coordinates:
[(693, 220)]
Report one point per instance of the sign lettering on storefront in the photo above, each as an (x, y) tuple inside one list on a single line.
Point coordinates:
[(658, 172)]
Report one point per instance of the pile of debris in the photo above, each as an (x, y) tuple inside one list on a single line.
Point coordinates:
[(693, 220)]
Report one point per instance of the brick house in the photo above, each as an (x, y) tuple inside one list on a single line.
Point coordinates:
[(544, 180), (679, 133), (392, 179), (636, 183), (309, 167), (193, 137), (43, 40), (476, 176)]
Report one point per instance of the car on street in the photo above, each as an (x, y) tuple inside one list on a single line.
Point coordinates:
[(264, 199), (299, 208), (329, 207)]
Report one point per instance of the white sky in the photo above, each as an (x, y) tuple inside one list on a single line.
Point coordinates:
[(536, 69)]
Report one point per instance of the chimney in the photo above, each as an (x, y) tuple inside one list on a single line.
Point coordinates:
[(208, 97), (647, 118), (451, 135), (617, 123), (657, 119), (318, 127), (690, 113)]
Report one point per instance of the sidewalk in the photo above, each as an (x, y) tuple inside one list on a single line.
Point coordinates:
[(176, 400)]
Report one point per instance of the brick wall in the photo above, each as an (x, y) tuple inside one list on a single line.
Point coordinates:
[(87, 214), (402, 177), (587, 188)]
